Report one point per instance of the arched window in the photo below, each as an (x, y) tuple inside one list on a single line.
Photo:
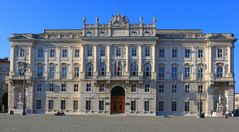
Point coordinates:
[(102, 69), (134, 69), (219, 71), (118, 69), (89, 69), (147, 70), (187, 72)]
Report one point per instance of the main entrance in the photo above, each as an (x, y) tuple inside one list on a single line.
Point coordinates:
[(117, 100)]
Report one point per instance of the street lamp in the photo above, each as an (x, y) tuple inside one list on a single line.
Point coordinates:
[(23, 67)]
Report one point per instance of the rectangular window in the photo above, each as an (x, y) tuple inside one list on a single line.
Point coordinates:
[(187, 72), (77, 72), (39, 87), (200, 88), (186, 106), (63, 87), (40, 70), (40, 53), (161, 72), (174, 88), (89, 51), (102, 51), (219, 53), (63, 72), (52, 53), (174, 53), (161, 88), (161, 106), (146, 87), (88, 105), (88, 87), (63, 104), (147, 51), (161, 53), (174, 73), (174, 106), (22, 52), (51, 87), (133, 105), (134, 51), (50, 104), (187, 89), (52, 72), (75, 105), (101, 105), (133, 87), (64, 53), (75, 87), (77, 53), (200, 72), (187, 53), (38, 104), (200, 53), (146, 105), (118, 51), (102, 87)]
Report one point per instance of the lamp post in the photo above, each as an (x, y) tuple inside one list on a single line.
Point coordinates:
[(23, 66)]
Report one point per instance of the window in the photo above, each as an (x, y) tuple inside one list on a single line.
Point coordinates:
[(63, 71), (77, 71), (38, 104), (174, 88), (200, 88), (40, 70), (102, 87), (39, 87), (102, 71), (147, 51), (88, 105), (187, 53), (89, 69), (133, 87), (200, 53), (146, 105), (146, 87), (89, 51), (88, 87), (219, 71), (52, 53), (118, 51), (174, 73), (50, 104), (187, 89), (200, 72), (219, 53), (134, 51), (51, 87), (187, 72), (77, 53), (134, 69), (64, 53), (161, 72), (187, 106), (101, 105), (147, 70), (40, 53), (174, 53), (22, 52), (63, 87), (174, 106), (52, 71), (102, 51), (161, 88), (161, 106), (63, 104), (75, 87), (118, 69), (161, 53), (75, 105), (133, 105)]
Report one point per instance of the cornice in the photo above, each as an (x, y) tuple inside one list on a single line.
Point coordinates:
[(146, 38), (199, 40)]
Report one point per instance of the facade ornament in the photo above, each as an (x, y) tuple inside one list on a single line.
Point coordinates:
[(119, 21), (154, 20), (84, 20), (97, 20), (141, 19)]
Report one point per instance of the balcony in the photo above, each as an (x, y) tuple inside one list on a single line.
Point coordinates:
[(15, 76)]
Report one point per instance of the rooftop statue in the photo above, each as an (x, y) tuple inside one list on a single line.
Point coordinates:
[(119, 21)]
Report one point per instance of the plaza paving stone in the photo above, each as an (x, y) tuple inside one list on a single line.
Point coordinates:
[(118, 123)]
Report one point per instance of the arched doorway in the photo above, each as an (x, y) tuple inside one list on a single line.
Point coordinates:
[(117, 100)]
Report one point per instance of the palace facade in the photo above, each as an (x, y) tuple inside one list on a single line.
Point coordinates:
[(120, 67)]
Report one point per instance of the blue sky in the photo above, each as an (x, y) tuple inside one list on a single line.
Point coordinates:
[(32, 16)]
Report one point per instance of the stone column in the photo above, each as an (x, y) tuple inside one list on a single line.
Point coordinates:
[(70, 58), (108, 50), (11, 97), (153, 62), (12, 57), (46, 65), (210, 100), (82, 55), (58, 65), (229, 55), (140, 60), (95, 60), (210, 72), (127, 60)]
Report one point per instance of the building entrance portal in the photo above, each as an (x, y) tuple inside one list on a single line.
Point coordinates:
[(117, 100)]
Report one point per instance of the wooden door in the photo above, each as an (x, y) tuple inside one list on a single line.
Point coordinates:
[(117, 104)]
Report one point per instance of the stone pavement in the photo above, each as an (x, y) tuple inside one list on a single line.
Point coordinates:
[(79, 123)]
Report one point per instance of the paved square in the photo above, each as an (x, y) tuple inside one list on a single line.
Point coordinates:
[(77, 123)]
